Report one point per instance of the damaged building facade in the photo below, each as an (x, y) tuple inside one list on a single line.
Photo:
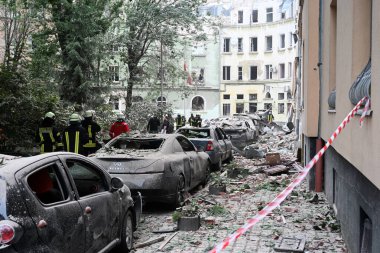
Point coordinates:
[(339, 61)]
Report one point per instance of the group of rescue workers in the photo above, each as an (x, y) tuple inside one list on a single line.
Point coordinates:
[(80, 135)]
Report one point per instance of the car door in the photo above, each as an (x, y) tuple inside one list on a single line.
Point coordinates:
[(51, 204), (196, 169), (222, 143), (227, 141), (180, 158), (101, 207)]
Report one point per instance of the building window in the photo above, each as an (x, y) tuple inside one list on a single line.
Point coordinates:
[(226, 109), (197, 104), (281, 108), (114, 102), (226, 96), (159, 101), (282, 40), (290, 39), (240, 96), (282, 70), (114, 73), (267, 106), (253, 96), (240, 17), (226, 45), (253, 73), (290, 70), (283, 15), (226, 72), (289, 95), (240, 73), (268, 71), (239, 107), (252, 107), (240, 45), (269, 14), (254, 44), (268, 42), (255, 16), (281, 96)]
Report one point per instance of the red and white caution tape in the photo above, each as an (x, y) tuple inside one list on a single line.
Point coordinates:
[(301, 176)]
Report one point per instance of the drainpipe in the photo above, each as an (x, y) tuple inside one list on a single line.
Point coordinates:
[(319, 142)]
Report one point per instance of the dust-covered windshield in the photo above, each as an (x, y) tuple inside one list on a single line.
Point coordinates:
[(137, 143), (195, 133)]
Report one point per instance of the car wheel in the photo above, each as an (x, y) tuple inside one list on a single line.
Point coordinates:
[(126, 243), (180, 193), (230, 158), (218, 165)]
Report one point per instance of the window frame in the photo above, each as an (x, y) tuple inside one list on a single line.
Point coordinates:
[(224, 109), (269, 14), (240, 73), (240, 16), (253, 44), (282, 41), (282, 70), (226, 73), (268, 39), (255, 16), (114, 71), (268, 72), (226, 45), (254, 76), (240, 45), (239, 106)]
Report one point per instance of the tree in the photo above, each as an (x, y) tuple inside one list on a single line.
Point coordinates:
[(150, 23)]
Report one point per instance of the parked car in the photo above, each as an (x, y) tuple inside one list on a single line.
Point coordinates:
[(163, 167), (241, 130), (64, 202), (213, 140)]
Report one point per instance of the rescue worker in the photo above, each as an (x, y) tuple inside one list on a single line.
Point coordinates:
[(270, 117), (153, 124), (119, 127), (75, 136), (179, 122), (92, 129), (47, 136), (183, 120), (198, 120), (192, 120)]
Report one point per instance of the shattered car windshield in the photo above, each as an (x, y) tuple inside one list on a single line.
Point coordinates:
[(195, 133), (138, 143)]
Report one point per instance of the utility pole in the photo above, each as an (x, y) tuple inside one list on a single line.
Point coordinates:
[(161, 72)]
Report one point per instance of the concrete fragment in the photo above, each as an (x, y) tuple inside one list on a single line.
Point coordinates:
[(251, 152), (273, 158)]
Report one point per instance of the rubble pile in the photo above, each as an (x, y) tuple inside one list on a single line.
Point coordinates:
[(302, 216)]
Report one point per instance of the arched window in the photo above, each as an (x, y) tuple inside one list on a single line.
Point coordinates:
[(267, 95), (198, 104), (114, 101), (137, 99), (159, 100)]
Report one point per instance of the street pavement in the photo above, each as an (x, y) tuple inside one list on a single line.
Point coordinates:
[(302, 215)]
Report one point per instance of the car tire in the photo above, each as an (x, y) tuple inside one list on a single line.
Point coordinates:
[(126, 243), (180, 192), (230, 158), (218, 166)]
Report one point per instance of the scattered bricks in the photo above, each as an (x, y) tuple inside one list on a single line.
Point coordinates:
[(169, 219), (290, 209), (248, 191), (273, 158), (210, 220)]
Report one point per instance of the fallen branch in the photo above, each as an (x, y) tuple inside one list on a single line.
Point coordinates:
[(166, 241), (149, 242)]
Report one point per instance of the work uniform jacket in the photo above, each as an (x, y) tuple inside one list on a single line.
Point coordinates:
[(48, 137), (74, 138), (179, 122), (92, 129), (192, 121), (118, 128)]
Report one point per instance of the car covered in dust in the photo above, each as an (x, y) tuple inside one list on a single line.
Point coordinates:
[(163, 167), (213, 140), (63, 202)]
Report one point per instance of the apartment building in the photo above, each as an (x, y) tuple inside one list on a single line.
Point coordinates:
[(257, 57), (340, 60)]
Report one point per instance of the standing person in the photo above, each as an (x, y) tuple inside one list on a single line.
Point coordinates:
[(183, 120), (198, 120), (92, 129), (179, 122), (192, 120), (270, 117), (165, 125), (75, 136), (119, 127), (153, 124), (47, 136)]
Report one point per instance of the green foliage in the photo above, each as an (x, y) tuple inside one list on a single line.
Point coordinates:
[(217, 210), (190, 210), (217, 180)]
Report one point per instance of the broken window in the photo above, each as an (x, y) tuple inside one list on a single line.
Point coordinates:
[(185, 144), (226, 109), (197, 104), (159, 101), (195, 133), (281, 108), (239, 107), (281, 96), (114, 101), (252, 107), (267, 106), (114, 73), (146, 144), (201, 76), (47, 185), (253, 96)]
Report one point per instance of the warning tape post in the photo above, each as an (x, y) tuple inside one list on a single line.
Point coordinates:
[(301, 176)]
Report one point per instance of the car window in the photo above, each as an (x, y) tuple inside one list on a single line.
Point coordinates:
[(223, 133), (137, 143), (195, 133), (177, 147), (48, 185), (247, 124), (88, 180), (219, 134), (185, 144)]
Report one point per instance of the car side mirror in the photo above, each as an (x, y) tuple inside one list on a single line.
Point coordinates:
[(116, 183)]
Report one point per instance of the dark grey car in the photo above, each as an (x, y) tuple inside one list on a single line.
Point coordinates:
[(163, 167), (213, 140), (63, 202)]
